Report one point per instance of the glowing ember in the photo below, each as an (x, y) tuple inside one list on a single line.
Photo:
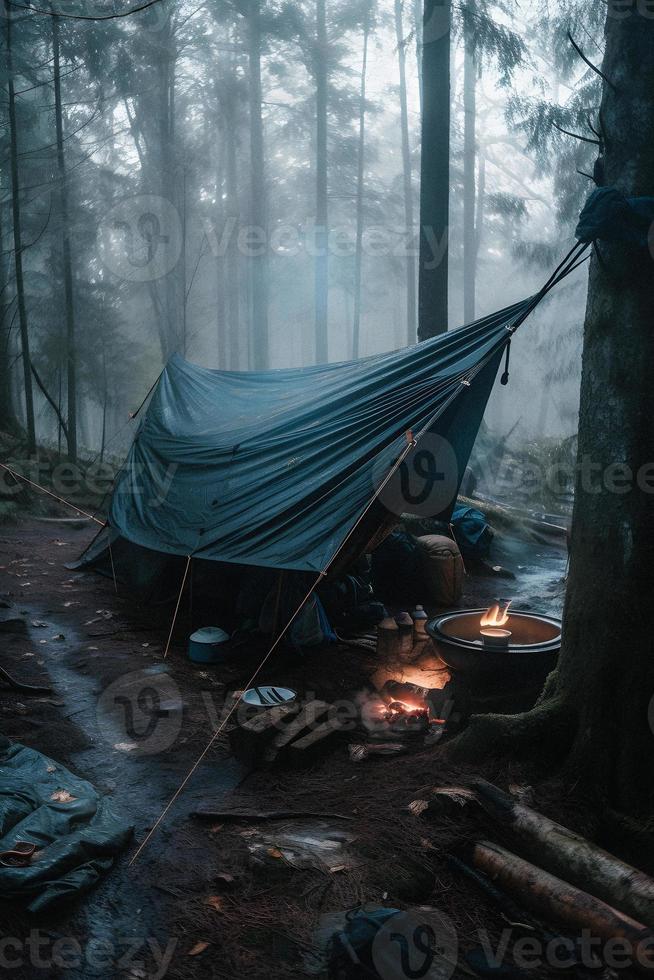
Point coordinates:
[(404, 709), (495, 615)]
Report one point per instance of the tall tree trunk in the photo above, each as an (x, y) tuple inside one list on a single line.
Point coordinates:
[(481, 203), (222, 327), (469, 166), (258, 197), (18, 246), (321, 238), (417, 27), (155, 113), (233, 214), (358, 254), (612, 560), (182, 279), (105, 400), (598, 705), (170, 176), (69, 302), (406, 178), (435, 170), (8, 422)]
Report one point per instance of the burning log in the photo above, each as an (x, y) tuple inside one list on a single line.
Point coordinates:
[(556, 900), (406, 707), (565, 853)]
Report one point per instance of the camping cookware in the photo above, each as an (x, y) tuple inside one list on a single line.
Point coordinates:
[(207, 645), (266, 696), (528, 653)]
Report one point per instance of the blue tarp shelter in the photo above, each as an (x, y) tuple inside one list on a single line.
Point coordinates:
[(275, 468)]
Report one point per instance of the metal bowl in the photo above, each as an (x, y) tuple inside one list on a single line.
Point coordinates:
[(532, 650), (265, 696)]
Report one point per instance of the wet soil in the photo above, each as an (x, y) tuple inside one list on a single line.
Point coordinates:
[(72, 632)]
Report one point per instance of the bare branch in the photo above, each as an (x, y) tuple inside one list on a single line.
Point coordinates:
[(590, 64)]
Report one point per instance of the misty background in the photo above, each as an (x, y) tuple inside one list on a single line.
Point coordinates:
[(164, 171)]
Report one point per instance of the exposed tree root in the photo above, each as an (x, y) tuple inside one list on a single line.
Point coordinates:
[(550, 726)]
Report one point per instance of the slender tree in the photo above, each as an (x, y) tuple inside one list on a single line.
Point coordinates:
[(69, 301), (258, 192), (434, 170), (6, 401), (321, 231), (361, 148), (232, 212), (469, 160), (417, 30), (407, 182), (18, 243)]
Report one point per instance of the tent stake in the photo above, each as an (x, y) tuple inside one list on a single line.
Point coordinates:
[(179, 599)]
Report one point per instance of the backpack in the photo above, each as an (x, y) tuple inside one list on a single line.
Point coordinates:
[(472, 531)]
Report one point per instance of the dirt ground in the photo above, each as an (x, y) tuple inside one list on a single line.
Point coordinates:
[(198, 902)]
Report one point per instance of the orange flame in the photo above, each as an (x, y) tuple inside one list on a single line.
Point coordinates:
[(495, 616)]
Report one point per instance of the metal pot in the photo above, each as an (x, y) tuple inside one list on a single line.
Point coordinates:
[(207, 645)]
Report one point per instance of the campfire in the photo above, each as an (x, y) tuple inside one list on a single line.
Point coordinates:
[(400, 709)]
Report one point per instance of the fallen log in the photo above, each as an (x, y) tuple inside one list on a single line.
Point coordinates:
[(555, 900), (514, 915), (565, 853)]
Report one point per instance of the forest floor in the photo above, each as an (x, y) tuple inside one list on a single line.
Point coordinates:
[(196, 903)]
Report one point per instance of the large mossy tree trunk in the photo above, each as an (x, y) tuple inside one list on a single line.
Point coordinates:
[(597, 709)]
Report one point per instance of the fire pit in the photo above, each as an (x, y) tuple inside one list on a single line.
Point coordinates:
[(402, 711), (495, 645)]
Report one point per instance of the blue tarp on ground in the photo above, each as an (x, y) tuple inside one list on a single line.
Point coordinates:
[(76, 830), (274, 468)]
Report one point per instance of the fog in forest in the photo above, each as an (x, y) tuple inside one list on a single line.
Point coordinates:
[(166, 177)]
